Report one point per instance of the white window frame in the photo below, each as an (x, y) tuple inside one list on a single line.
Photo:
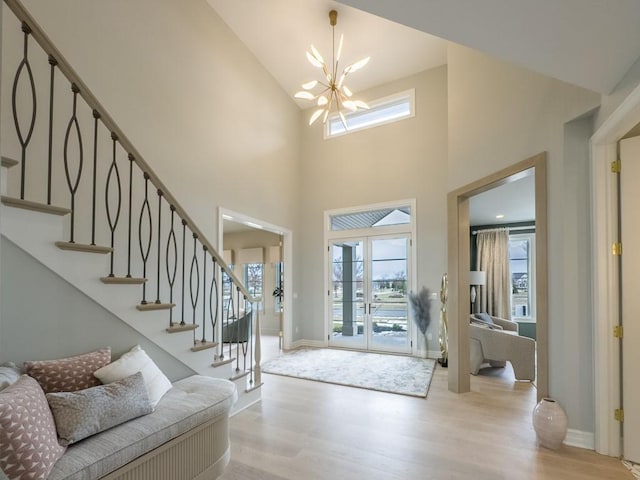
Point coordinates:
[(379, 104)]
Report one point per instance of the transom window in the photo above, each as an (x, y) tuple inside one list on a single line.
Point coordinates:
[(385, 110)]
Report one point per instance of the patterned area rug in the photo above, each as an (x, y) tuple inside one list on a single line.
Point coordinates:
[(386, 373)]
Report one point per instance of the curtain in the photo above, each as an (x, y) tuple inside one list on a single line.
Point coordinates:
[(493, 258)]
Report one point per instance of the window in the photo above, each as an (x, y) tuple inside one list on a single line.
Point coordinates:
[(385, 110), (522, 267), (253, 275), (383, 217)]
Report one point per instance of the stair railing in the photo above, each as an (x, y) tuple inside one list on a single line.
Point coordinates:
[(187, 251)]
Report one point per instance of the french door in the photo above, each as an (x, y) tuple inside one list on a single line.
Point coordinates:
[(368, 293)]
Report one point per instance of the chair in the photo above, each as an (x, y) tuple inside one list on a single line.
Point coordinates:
[(498, 342), (237, 331)]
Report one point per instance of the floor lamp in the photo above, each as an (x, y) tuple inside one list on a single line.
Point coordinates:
[(476, 279)]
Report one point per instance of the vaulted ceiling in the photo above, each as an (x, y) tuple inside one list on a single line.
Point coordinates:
[(588, 43)]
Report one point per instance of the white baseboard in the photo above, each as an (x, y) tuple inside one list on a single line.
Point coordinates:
[(308, 343), (435, 354), (578, 438)]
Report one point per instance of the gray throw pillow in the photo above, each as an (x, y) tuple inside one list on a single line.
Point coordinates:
[(484, 316), (86, 412)]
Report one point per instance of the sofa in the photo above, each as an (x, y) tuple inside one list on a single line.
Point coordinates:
[(182, 435), (495, 341)]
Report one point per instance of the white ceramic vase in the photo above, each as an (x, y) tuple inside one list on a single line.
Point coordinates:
[(550, 423)]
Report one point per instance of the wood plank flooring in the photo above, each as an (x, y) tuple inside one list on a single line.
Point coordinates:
[(311, 430)]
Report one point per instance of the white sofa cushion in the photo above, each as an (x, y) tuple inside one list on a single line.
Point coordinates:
[(191, 402)]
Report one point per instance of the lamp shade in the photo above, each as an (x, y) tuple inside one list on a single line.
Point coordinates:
[(477, 277)]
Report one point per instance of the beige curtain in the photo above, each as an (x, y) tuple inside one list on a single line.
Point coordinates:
[(493, 258)]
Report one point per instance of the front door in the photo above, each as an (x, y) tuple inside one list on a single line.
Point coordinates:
[(369, 284)]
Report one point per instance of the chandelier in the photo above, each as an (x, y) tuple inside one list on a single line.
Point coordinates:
[(334, 94)]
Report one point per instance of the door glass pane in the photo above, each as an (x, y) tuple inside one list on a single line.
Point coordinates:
[(389, 287), (347, 293)]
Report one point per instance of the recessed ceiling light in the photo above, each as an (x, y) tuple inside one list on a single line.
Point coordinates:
[(500, 216)]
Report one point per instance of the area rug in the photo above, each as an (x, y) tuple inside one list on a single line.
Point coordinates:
[(385, 373)]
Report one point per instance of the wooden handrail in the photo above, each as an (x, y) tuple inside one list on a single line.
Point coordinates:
[(63, 65)]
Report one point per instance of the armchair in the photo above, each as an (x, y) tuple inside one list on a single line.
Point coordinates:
[(237, 330), (498, 343)]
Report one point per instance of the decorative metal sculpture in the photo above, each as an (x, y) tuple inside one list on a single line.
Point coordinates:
[(443, 334)]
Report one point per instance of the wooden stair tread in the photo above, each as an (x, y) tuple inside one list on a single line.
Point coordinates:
[(239, 375), (83, 247), (34, 206), (254, 387), (200, 345), (181, 328), (9, 162), (154, 306), (123, 280), (226, 361)]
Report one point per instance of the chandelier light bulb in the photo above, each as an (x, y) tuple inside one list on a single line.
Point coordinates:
[(334, 95)]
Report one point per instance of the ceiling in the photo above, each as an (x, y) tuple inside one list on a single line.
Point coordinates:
[(589, 43), (279, 32), (515, 200)]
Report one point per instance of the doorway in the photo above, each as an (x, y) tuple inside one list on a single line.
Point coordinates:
[(459, 267), (269, 269), (369, 273), (368, 304)]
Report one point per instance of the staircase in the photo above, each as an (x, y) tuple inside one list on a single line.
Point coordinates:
[(78, 197)]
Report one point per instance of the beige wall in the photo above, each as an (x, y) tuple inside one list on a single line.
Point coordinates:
[(498, 115), (191, 97), (402, 160)]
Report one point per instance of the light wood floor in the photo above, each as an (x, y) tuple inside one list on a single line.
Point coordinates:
[(311, 430)]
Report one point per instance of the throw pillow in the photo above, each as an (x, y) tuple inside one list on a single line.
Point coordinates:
[(28, 439), (68, 374), (9, 374), (137, 360), (485, 317), (84, 413)]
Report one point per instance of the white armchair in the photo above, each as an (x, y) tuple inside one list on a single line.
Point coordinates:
[(498, 343)]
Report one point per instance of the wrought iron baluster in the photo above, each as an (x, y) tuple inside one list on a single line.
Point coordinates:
[(53, 62), (184, 247), (195, 268), (96, 117), (159, 232), (24, 139), (171, 275), (245, 344), (144, 251), (250, 343), (113, 220), (214, 288), (237, 325), (204, 293), (131, 160), (73, 185)]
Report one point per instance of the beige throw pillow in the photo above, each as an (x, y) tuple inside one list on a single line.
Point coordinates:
[(137, 360)]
